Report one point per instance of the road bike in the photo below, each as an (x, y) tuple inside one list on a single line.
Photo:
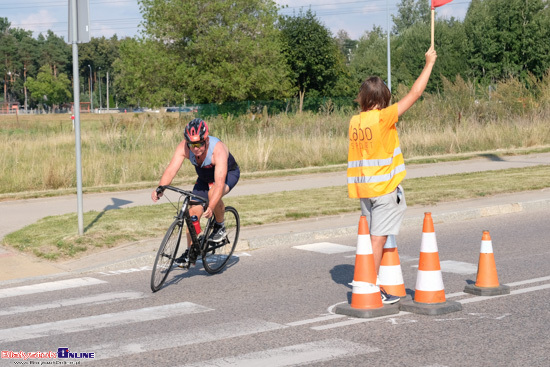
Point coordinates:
[(214, 255)]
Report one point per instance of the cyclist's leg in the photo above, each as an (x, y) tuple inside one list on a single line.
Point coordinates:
[(201, 189), (230, 181), (219, 210)]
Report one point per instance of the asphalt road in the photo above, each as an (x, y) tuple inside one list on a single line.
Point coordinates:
[(273, 307), (20, 213)]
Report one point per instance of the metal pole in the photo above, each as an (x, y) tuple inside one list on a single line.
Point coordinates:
[(76, 92), (389, 52), (99, 78), (107, 91), (91, 90)]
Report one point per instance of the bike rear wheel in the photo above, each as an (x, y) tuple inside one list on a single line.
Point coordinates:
[(218, 254), (166, 255)]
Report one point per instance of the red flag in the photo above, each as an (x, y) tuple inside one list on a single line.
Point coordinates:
[(438, 3)]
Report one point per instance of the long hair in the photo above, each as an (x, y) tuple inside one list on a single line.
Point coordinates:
[(373, 94)]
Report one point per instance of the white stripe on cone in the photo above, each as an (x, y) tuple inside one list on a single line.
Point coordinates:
[(364, 287), (429, 242), (429, 280), (391, 274), (486, 247), (364, 246)]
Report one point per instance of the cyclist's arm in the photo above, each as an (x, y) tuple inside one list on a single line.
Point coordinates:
[(170, 172), (219, 159)]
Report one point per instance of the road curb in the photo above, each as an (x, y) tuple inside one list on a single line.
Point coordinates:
[(414, 221), (146, 252)]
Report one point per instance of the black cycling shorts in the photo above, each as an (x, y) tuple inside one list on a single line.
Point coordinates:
[(201, 188)]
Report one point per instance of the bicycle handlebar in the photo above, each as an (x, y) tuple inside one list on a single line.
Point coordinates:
[(199, 199)]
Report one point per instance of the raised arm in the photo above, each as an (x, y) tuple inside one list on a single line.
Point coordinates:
[(419, 85)]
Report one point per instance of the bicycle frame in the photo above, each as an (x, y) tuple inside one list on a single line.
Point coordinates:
[(198, 243)]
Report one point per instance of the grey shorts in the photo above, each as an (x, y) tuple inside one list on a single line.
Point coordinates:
[(385, 213)]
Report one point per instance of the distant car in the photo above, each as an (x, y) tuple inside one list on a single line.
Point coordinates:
[(191, 109)]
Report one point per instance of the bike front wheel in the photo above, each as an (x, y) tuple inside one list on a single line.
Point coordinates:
[(218, 254), (166, 255)]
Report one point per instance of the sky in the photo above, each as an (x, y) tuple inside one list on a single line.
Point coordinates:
[(122, 17)]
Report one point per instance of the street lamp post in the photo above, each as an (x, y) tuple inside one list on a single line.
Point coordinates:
[(25, 86), (99, 78), (91, 89)]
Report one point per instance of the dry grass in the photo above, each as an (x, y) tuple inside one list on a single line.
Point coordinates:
[(37, 153)]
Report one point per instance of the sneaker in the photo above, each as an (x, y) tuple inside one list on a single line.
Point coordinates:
[(388, 299), (218, 234), (183, 259)]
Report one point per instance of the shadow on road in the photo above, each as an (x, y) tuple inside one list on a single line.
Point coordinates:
[(492, 157), (117, 204), (342, 274)]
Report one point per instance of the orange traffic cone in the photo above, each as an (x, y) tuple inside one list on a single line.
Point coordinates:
[(366, 300), (429, 295), (390, 274), (487, 278)]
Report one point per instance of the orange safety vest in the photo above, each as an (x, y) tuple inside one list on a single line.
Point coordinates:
[(375, 162)]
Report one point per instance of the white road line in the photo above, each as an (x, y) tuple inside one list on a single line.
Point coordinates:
[(293, 355), (99, 321), (528, 281), (517, 291), (48, 287), (356, 321), (90, 300), (317, 319), (204, 334), (353, 321), (325, 248)]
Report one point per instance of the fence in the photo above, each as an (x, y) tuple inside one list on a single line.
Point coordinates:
[(260, 107)]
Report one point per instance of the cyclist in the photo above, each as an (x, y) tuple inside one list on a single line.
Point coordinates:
[(217, 171)]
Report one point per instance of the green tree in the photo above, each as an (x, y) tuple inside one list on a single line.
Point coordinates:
[(370, 57), (311, 53), (49, 89), (345, 44), (221, 51), (55, 53), (100, 53), (8, 56), (409, 48), (148, 74), (409, 13), (508, 38), (28, 55)]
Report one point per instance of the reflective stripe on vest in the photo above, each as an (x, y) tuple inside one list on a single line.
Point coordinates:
[(375, 161)]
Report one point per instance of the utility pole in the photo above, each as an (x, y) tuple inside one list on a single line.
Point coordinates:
[(79, 31), (91, 91), (99, 78), (107, 91)]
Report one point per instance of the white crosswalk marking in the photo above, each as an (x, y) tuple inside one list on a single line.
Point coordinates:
[(293, 355), (99, 321), (325, 248), (48, 287), (187, 337), (90, 300)]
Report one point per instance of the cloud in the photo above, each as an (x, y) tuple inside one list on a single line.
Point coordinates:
[(38, 22)]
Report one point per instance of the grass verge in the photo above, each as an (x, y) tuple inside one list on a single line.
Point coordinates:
[(54, 238)]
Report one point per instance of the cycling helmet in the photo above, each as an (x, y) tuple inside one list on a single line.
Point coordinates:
[(196, 130)]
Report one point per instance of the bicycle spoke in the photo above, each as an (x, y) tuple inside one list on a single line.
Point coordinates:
[(166, 256), (216, 257)]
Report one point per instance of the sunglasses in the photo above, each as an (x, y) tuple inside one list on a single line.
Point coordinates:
[(196, 145)]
